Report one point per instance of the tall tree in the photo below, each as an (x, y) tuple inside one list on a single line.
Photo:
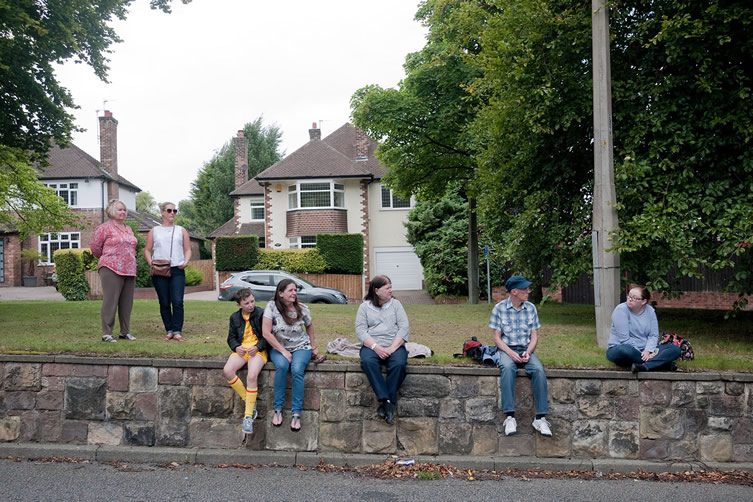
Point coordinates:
[(146, 204), (212, 206)]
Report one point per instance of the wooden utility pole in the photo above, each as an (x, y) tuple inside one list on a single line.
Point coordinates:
[(606, 265)]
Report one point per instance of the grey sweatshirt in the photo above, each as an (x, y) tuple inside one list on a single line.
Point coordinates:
[(382, 324)]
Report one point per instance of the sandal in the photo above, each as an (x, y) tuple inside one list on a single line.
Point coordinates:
[(277, 418), (295, 422), (108, 338), (177, 337), (169, 335)]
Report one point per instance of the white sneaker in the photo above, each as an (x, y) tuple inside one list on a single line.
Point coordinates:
[(248, 425), (511, 426), (543, 426)]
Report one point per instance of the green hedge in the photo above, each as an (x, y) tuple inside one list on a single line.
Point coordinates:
[(343, 253), (194, 277), (307, 261), (143, 276), (70, 265), (235, 253)]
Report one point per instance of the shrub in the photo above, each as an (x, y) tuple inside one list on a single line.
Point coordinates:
[(143, 277), (343, 253), (237, 252), (307, 261), (194, 277), (71, 265)]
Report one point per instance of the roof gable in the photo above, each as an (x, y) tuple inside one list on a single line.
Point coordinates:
[(73, 162)]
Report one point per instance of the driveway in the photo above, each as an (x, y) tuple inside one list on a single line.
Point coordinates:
[(40, 293)]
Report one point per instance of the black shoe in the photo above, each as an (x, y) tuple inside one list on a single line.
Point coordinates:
[(635, 368), (381, 411), (389, 412)]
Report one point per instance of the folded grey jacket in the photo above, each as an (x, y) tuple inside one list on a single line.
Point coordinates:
[(346, 348)]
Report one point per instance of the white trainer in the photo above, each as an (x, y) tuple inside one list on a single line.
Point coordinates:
[(543, 426), (511, 426)]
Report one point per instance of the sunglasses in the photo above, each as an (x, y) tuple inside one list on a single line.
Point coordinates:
[(174, 211)]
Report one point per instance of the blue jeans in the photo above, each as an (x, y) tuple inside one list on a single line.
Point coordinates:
[(371, 364), (625, 355), (170, 295), (508, 371), (301, 359)]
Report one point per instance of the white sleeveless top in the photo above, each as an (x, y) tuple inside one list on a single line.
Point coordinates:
[(161, 250)]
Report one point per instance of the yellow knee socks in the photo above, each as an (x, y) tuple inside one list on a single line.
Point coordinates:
[(238, 387), (250, 401)]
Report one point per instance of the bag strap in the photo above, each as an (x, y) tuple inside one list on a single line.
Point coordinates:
[(172, 238)]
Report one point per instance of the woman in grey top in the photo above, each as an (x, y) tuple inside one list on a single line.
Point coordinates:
[(382, 328), (287, 327)]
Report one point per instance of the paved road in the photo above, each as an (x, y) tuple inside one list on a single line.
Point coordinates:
[(84, 481)]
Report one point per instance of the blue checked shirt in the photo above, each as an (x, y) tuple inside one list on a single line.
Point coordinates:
[(515, 325)]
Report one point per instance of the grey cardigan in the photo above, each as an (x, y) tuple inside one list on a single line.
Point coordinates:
[(382, 324)]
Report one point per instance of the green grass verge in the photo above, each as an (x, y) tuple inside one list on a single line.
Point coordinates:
[(568, 336)]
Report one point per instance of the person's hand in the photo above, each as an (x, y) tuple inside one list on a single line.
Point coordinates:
[(525, 356), (252, 351), (515, 357), (287, 355), (381, 352), (240, 350), (646, 355)]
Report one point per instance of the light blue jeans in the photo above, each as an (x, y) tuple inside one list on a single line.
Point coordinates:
[(301, 359), (508, 371)]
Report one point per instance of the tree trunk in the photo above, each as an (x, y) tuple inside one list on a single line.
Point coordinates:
[(473, 287)]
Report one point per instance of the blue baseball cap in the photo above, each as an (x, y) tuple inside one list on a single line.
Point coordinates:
[(516, 282)]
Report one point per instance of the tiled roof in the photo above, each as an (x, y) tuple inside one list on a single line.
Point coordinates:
[(334, 156), (73, 162), (229, 228), (251, 187)]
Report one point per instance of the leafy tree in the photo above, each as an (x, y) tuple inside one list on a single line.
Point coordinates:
[(146, 204), (212, 206)]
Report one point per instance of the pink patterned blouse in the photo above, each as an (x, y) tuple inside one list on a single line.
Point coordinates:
[(115, 248)]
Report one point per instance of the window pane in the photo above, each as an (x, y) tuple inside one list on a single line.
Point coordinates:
[(292, 201), (386, 196), (315, 199), (338, 186), (314, 186), (400, 202), (339, 199), (257, 213)]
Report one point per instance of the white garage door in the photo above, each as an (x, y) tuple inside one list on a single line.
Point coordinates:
[(401, 265)]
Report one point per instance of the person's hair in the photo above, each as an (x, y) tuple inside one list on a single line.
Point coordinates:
[(242, 294), (281, 307), (110, 210), (376, 282), (645, 293), (163, 205)]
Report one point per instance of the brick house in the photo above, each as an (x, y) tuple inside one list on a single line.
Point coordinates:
[(329, 185)]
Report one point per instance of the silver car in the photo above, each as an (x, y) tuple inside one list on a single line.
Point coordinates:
[(264, 282)]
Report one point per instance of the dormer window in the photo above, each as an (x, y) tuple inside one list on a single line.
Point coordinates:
[(323, 194)]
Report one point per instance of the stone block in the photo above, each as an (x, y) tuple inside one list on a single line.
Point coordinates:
[(715, 447), (143, 379), (50, 400), (425, 386), (613, 388), (213, 433), (356, 381), (624, 439), (516, 445), (29, 425), (10, 428), (378, 437), (654, 449), (195, 376), (590, 438), (418, 436), (74, 370), (726, 405), (119, 405), (332, 405), (709, 388), (217, 379), (485, 439), (481, 409), (364, 397), (627, 408), (418, 407), (53, 383), (211, 402), (488, 386), (562, 390), (463, 386), (139, 434), (684, 449), (734, 388), (340, 436), (174, 404), (596, 407), (171, 376), (695, 421), (742, 430), (565, 411), (655, 392), (85, 399), (451, 408), (74, 431), (588, 388), (118, 378), (661, 423), (742, 453), (720, 424), (559, 445), (307, 439), (455, 438), (683, 394), (326, 379), (311, 398), (110, 433), (147, 405), (172, 433), (22, 376), (20, 400)]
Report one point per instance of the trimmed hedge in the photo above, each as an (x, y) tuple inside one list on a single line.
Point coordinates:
[(70, 265), (194, 277), (237, 252), (309, 261), (343, 253)]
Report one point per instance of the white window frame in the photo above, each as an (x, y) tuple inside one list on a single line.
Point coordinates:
[(256, 204), (335, 189), (71, 189), (303, 242), (72, 240), (391, 206)]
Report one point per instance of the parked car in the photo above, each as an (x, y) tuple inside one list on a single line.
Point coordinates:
[(264, 282)]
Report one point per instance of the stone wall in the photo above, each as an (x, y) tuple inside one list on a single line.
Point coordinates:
[(442, 410)]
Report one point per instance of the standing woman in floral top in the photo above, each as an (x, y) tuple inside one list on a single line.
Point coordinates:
[(287, 327), (114, 245)]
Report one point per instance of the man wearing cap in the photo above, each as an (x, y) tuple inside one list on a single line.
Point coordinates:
[(516, 332)]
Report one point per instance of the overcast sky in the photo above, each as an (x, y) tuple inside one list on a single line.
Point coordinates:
[(181, 85)]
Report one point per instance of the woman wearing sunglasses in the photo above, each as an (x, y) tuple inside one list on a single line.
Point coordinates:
[(169, 242)]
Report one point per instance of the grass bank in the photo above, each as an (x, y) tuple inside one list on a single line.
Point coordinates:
[(568, 338)]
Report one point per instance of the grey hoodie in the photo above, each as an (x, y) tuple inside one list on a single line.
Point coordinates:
[(382, 324)]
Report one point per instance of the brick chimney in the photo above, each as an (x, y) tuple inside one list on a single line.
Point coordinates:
[(108, 151), (315, 133), (361, 146), (241, 169)]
